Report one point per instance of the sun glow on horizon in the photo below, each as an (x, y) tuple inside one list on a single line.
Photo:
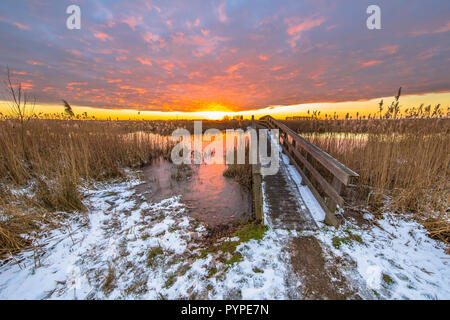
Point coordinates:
[(213, 115), (218, 112)]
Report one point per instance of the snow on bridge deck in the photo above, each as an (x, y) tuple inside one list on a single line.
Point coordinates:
[(285, 206)]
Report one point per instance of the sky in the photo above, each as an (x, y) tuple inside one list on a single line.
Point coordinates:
[(174, 56)]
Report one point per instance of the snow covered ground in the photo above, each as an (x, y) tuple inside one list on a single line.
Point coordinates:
[(127, 248), (131, 249), (394, 256)]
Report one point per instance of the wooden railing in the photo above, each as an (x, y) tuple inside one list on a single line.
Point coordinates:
[(328, 179)]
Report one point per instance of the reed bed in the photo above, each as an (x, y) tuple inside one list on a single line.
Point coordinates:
[(41, 170), (403, 164), (43, 163)]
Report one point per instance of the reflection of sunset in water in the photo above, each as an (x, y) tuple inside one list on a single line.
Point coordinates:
[(208, 195)]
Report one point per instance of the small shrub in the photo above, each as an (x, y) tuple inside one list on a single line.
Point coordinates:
[(152, 255), (387, 279)]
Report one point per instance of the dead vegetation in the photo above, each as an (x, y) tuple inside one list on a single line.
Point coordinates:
[(241, 173), (403, 161)]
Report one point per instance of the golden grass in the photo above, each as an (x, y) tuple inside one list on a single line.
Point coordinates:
[(403, 164), (53, 157)]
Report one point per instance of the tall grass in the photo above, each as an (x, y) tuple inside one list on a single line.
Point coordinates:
[(53, 158), (79, 149), (403, 164)]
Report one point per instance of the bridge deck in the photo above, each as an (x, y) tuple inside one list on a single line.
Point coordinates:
[(286, 207)]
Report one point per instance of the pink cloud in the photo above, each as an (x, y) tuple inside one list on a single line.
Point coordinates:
[(178, 37), (150, 37), (132, 21), (21, 26), (442, 29), (263, 58), (307, 24), (295, 29), (332, 27), (102, 36), (221, 12), (196, 23), (390, 49)]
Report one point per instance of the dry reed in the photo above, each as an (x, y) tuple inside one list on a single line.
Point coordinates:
[(403, 164)]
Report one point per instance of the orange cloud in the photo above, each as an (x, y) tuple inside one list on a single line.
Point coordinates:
[(371, 63), (146, 62), (235, 67), (35, 63), (138, 90), (48, 89), (263, 58), (75, 84)]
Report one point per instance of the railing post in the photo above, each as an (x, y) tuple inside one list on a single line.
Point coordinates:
[(332, 204), (257, 184)]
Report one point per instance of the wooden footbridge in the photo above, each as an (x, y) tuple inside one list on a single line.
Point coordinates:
[(329, 181)]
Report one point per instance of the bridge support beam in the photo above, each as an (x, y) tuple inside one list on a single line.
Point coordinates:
[(257, 185)]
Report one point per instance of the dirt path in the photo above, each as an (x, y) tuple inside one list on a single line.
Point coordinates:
[(321, 279)]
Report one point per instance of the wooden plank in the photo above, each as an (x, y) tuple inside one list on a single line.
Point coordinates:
[(257, 186), (257, 193)]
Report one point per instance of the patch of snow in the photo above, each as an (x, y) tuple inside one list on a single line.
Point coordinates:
[(368, 216), (110, 257), (398, 260), (310, 201)]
